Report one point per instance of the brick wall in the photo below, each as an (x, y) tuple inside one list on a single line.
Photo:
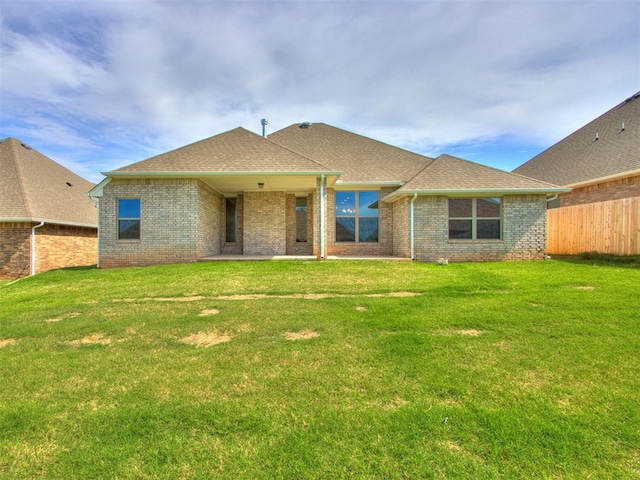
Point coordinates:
[(524, 232), (616, 189), (61, 246), (264, 222), (384, 245), (168, 226), (401, 228), (57, 246), (15, 250), (210, 213)]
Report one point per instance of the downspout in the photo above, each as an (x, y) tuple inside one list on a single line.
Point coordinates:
[(322, 216), (33, 247), (412, 227), (552, 198), (96, 202)]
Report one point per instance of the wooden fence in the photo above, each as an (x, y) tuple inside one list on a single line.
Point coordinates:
[(611, 227)]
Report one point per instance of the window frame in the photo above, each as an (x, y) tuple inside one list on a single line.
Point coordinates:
[(120, 218), (356, 216), (474, 218)]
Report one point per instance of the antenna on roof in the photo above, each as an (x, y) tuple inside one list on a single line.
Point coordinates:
[(264, 124)]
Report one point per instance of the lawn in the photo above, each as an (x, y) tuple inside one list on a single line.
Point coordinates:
[(302, 370)]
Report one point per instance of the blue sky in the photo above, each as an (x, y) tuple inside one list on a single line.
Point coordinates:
[(96, 85)]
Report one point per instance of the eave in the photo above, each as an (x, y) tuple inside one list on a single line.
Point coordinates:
[(479, 192)]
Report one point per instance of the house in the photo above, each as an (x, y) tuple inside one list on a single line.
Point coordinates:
[(46, 219), (314, 189), (600, 161)]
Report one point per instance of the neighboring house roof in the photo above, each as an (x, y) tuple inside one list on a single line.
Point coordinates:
[(235, 151), (607, 147), (35, 188), (452, 175), (361, 159)]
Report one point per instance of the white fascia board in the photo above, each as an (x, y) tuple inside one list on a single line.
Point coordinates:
[(387, 183), (40, 220), (609, 178), (484, 192), (97, 191)]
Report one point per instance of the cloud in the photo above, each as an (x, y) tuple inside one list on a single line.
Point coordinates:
[(119, 81)]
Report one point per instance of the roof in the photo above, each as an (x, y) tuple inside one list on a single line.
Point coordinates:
[(451, 175), (361, 159), (235, 151), (609, 146), (35, 188)]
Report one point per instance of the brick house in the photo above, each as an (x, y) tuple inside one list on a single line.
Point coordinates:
[(46, 219), (599, 162), (313, 189)]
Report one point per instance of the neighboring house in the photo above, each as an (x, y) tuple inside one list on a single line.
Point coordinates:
[(600, 161), (313, 189), (46, 219)]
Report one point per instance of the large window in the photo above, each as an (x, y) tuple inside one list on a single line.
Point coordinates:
[(475, 218), (231, 217), (301, 219), (356, 216), (129, 219)]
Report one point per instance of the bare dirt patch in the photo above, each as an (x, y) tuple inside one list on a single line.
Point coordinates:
[(206, 339), (360, 308), (303, 335), (585, 288), (193, 298), (95, 339), (7, 341), (63, 317), (209, 312), (470, 332)]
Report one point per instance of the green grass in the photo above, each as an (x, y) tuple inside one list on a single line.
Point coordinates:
[(495, 370)]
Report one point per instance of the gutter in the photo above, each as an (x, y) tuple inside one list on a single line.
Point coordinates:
[(477, 192), (33, 246), (412, 227), (322, 227)]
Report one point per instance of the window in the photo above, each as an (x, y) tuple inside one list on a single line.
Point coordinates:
[(128, 219), (231, 218), (356, 216), (301, 219), (475, 218)]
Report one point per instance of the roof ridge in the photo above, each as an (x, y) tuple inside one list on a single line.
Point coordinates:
[(295, 152), (18, 169), (370, 139)]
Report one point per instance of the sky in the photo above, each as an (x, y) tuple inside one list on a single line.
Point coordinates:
[(99, 84)]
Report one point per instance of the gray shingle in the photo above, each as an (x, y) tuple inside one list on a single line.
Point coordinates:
[(237, 150), (32, 186), (580, 157), (361, 159)]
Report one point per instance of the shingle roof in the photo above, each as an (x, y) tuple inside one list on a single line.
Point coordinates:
[(237, 150), (34, 187), (447, 173), (361, 159), (580, 157)]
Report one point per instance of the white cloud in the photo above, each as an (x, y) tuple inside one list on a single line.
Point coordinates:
[(124, 80)]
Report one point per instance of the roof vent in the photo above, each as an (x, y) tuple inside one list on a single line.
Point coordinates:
[(622, 127), (26, 146), (597, 137), (305, 125), (69, 184)]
